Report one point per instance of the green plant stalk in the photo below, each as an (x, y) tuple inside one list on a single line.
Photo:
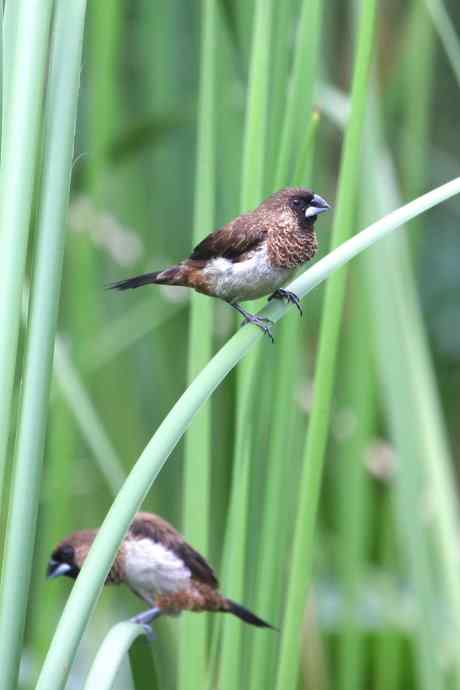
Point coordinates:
[(110, 655), (127, 329), (424, 455), (353, 504), (409, 481), (279, 78), (389, 656), (143, 667), (304, 72), (60, 122), (91, 579), (417, 101), (446, 31), (18, 162), (10, 16), (393, 262), (197, 469), (302, 553), (252, 185), (303, 168), (268, 592), (56, 497), (87, 418)]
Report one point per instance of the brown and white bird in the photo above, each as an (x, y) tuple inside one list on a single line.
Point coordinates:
[(251, 256), (159, 566)]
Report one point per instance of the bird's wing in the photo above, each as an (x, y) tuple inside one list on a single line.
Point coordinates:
[(147, 525), (232, 241), (198, 566)]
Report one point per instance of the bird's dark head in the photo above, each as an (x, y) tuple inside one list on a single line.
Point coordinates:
[(297, 204), (69, 556)]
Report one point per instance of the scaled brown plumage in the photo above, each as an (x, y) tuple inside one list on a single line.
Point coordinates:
[(158, 565), (251, 256)]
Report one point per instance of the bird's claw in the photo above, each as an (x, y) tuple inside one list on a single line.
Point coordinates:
[(291, 298), (262, 323), (144, 619), (148, 632)]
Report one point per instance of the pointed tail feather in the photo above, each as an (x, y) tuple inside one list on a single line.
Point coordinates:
[(135, 282), (170, 276), (246, 615)]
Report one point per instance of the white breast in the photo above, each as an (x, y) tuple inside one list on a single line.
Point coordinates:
[(244, 280), (152, 569)]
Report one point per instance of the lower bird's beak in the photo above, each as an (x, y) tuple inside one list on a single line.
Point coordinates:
[(55, 569), (317, 205)]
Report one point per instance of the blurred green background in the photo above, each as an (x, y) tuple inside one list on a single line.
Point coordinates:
[(122, 359)]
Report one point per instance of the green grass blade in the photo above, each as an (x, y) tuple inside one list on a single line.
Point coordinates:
[(143, 667), (91, 579), (59, 141), (304, 73), (9, 28), (417, 101), (302, 554), (268, 586), (252, 185), (354, 499), (447, 33), (87, 418), (425, 454), (18, 160), (197, 470), (111, 654)]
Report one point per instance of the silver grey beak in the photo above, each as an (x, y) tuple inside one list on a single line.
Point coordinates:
[(318, 205), (55, 569)]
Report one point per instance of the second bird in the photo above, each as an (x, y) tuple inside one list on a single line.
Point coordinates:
[(159, 566), (251, 256)]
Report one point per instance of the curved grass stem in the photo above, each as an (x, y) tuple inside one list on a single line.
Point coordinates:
[(86, 589)]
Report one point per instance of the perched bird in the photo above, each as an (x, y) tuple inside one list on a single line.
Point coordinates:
[(159, 566), (251, 256)]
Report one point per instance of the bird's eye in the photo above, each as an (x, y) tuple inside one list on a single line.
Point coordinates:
[(297, 203), (66, 553)]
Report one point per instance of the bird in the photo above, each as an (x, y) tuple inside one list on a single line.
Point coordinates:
[(159, 566), (251, 256)]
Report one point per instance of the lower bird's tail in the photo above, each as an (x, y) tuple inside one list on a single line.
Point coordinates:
[(169, 276), (245, 615)]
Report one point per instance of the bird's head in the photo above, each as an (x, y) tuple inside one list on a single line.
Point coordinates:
[(69, 556), (297, 204)]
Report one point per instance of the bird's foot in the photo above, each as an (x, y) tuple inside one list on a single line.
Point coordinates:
[(261, 322), (291, 298), (145, 618)]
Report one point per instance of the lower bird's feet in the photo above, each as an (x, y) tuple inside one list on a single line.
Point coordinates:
[(291, 298), (144, 619), (261, 322)]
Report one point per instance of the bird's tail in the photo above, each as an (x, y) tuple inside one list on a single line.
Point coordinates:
[(245, 614), (170, 276)]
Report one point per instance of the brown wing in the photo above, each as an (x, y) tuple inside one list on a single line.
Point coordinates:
[(155, 528), (233, 240)]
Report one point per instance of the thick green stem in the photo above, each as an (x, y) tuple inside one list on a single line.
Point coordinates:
[(302, 555), (59, 140), (17, 171), (110, 655), (195, 518), (91, 579)]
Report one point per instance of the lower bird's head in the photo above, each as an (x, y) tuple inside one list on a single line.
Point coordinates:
[(69, 556), (295, 205)]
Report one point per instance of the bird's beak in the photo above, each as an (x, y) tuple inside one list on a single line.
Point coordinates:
[(55, 569), (317, 205)]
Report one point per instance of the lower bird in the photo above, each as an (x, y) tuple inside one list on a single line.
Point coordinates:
[(251, 256), (158, 565)]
